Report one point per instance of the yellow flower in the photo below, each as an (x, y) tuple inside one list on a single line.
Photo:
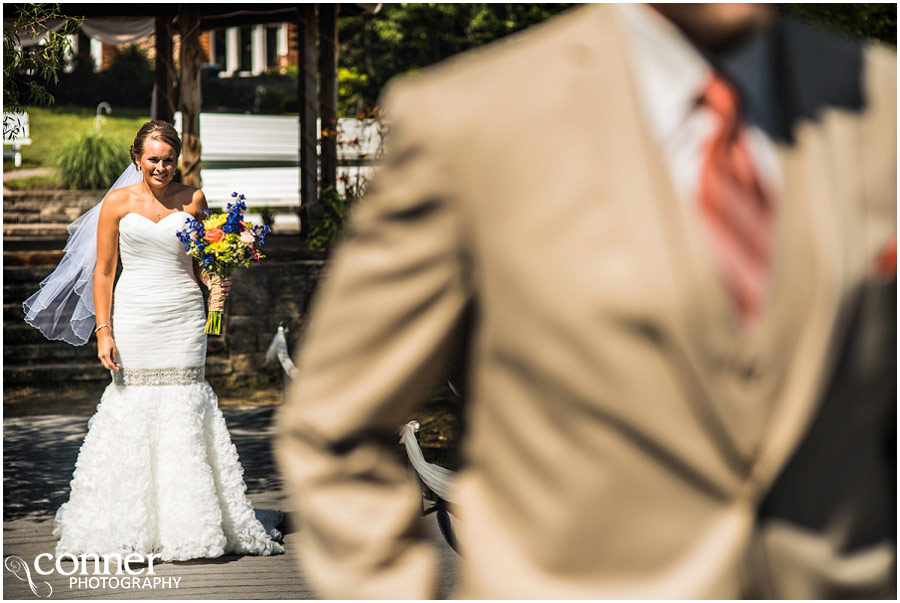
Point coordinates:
[(215, 221), (219, 247)]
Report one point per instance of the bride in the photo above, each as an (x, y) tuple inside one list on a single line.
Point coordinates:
[(157, 473)]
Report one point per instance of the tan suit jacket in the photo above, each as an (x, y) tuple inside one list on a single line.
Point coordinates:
[(624, 438)]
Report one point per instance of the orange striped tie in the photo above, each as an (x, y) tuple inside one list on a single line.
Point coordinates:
[(736, 208)]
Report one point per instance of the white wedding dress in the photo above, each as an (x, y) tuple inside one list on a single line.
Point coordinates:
[(157, 472)]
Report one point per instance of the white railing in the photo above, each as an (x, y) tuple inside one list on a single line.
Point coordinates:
[(438, 479)]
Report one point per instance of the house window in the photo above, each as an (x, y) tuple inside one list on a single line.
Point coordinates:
[(246, 49), (219, 48), (272, 46)]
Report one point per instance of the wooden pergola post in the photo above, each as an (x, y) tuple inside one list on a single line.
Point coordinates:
[(165, 70), (190, 102), (84, 45), (328, 58), (306, 94)]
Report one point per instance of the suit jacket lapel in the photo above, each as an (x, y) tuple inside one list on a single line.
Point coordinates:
[(696, 319), (813, 262), (756, 422)]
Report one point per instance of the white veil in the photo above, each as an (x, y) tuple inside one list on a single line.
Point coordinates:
[(63, 308)]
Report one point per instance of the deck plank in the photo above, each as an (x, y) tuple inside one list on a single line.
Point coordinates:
[(39, 456)]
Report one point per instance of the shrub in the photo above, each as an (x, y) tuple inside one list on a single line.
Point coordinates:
[(274, 101), (91, 161), (128, 81), (329, 223), (239, 94)]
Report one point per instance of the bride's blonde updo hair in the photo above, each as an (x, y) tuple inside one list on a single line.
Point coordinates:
[(158, 129)]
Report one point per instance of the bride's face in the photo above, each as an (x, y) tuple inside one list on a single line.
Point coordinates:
[(158, 162)]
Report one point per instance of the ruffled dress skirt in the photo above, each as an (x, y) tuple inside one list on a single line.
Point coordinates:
[(157, 472)]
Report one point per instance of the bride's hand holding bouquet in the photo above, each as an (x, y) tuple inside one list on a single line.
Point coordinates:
[(221, 243)]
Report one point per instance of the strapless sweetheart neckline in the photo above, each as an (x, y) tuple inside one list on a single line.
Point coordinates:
[(161, 219)]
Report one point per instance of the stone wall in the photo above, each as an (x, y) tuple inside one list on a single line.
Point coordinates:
[(262, 297)]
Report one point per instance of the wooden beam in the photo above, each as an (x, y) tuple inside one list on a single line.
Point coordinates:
[(165, 71), (328, 60), (307, 101), (241, 18), (212, 15), (190, 59)]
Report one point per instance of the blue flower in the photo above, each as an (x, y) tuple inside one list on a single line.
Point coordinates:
[(262, 232)]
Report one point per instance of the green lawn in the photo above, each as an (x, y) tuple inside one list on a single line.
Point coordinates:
[(51, 127)]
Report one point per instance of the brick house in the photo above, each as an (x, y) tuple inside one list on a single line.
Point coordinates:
[(234, 51)]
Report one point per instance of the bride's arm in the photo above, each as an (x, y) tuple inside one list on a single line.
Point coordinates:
[(196, 208), (105, 275)]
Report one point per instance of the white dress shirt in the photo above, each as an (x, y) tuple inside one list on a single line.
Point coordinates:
[(671, 73)]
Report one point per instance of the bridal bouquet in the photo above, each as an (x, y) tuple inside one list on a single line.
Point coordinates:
[(221, 243)]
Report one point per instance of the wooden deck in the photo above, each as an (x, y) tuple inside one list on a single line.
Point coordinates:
[(39, 457)]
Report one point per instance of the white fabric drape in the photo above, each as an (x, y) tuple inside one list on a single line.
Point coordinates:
[(114, 31)]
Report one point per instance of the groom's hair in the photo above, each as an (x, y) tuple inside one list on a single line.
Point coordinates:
[(158, 129)]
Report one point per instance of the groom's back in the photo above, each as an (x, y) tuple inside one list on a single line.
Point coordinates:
[(620, 433)]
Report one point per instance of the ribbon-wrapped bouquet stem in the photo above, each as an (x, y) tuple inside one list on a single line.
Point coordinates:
[(221, 243)]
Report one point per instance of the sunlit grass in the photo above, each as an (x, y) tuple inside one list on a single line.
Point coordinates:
[(39, 182), (52, 127)]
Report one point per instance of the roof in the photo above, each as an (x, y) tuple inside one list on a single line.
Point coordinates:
[(212, 16)]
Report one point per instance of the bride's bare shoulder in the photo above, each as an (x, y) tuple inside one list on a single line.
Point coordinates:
[(118, 202), (194, 200)]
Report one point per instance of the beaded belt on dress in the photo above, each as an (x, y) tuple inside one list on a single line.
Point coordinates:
[(165, 376)]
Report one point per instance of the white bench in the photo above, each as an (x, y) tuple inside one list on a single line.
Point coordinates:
[(234, 139), (16, 132), (259, 156), (266, 186)]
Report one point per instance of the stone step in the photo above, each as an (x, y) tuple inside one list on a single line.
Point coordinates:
[(57, 230), (54, 373), (43, 200), (48, 258), (25, 275), (49, 352), (81, 372), (30, 217), (27, 243), (60, 352), (25, 238), (17, 334), (13, 313), (18, 292)]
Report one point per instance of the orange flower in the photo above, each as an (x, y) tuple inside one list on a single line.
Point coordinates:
[(214, 235)]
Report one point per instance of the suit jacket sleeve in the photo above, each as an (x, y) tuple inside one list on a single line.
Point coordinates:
[(380, 328)]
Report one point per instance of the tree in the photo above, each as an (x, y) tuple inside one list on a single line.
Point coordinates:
[(405, 37), (866, 21), (27, 70)]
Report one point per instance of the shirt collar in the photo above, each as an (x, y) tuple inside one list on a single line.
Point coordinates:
[(671, 72)]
